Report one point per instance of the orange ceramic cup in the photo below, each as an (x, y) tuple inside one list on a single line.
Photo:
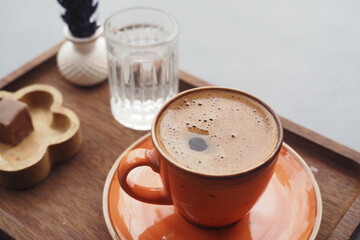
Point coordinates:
[(205, 200)]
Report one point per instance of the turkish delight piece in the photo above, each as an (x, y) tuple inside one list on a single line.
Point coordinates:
[(15, 121)]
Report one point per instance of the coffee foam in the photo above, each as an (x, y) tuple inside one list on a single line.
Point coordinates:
[(239, 133)]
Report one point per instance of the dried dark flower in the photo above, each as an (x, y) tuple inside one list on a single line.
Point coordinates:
[(78, 17)]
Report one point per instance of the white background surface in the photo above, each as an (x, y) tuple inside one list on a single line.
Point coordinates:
[(302, 57)]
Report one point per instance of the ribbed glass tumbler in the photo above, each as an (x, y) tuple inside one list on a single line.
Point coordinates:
[(142, 48)]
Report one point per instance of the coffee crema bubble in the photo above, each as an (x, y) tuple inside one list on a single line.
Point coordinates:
[(217, 132)]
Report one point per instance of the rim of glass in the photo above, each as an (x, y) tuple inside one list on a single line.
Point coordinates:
[(174, 33)]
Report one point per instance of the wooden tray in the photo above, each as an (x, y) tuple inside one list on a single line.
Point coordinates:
[(68, 203)]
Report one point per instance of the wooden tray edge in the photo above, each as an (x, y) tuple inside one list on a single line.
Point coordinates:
[(293, 127), (193, 81), (29, 65), (344, 227)]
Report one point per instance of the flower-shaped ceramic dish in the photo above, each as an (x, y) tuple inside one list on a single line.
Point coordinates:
[(56, 137)]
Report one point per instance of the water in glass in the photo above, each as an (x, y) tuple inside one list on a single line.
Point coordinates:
[(143, 75)]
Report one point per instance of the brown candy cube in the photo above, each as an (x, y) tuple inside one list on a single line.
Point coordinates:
[(15, 121)]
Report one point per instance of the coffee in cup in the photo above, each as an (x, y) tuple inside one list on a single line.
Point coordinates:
[(217, 132)]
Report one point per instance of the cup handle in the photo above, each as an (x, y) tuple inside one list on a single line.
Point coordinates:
[(136, 158)]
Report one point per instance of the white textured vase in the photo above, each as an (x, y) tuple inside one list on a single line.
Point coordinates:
[(83, 61)]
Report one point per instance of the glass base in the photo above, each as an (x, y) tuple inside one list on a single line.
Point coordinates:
[(138, 116), (135, 126)]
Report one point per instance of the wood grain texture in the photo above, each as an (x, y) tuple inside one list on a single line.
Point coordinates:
[(67, 204), (345, 228)]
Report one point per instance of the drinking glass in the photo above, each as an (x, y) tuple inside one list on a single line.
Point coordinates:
[(142, 49)]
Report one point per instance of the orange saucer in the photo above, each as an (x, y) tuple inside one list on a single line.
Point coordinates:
[(290, 208)]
